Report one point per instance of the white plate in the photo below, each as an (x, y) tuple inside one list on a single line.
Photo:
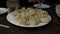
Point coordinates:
[(3, 10), (57, 11), (10, 19), (42, 6)]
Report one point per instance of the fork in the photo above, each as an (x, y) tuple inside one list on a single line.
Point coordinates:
[(4, 26)]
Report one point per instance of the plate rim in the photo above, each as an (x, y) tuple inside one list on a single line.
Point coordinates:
[(43, 4), (57, 11), (5, 11)]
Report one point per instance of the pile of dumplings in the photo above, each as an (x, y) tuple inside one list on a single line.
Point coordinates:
[(30, 16)]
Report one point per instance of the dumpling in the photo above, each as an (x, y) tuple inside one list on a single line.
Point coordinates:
[(45, 20)]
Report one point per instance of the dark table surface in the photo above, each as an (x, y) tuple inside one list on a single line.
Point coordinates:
[(52, 28)]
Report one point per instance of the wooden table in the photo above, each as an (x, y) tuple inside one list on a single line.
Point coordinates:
[(51, 28)]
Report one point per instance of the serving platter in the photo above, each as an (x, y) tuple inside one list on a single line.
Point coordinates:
[(10, 19)]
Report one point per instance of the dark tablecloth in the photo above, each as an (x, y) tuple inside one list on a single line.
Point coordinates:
[(52, 28)]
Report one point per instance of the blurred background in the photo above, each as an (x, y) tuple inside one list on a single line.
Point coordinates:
[(26, 3)]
